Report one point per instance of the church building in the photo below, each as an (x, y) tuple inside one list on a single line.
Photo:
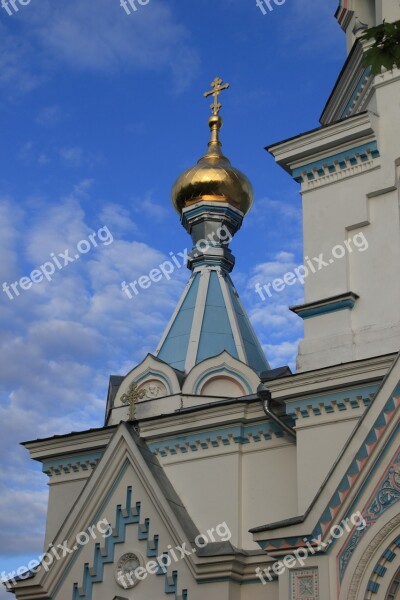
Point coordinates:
[(215, 476)]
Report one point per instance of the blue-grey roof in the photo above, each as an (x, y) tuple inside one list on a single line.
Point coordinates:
[(208, 320)]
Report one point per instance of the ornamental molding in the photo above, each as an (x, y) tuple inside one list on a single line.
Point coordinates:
[(350, 170), (352, 90), (312, 145), (382, 428), (76, 464), (387, 494), (234, 436), (365, 561), (327, 305)]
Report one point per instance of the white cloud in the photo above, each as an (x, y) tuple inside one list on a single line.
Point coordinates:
[(16, 76), (72, 155), (150, 208), (60, 339), (49, 116), (290, 208), (97, 37), (282, 353)]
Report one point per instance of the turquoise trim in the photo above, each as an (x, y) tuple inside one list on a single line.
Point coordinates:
[(212, 208), (361, 82), (106, 554), (327, 401), (324, 309), (66, 462), (158, 375), (217, 371), (95, 520), (384, 499), (336, 161), (353, 472), (225, 436)]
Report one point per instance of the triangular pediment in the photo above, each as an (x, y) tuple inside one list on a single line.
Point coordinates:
[(127, 511)]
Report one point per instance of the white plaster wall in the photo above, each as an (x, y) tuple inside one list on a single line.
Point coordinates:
[(388, 10), (318, 448), (210, 490), (62, 496), (337, 212), (269, 591), (244, 488), (269, 486)]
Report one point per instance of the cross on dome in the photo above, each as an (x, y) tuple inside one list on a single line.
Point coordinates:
[(217, 88)]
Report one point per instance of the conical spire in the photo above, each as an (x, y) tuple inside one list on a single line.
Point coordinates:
[(212, 199)]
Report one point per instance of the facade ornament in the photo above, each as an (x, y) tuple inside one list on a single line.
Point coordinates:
[(131, 397)]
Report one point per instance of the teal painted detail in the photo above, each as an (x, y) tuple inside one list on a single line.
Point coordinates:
[(387, 494), (152, 547), (254, 354), (211, 208), (175, 346), (380, 570), (216, 332), (219, 371), (360, 84), (373, 586), (106, 554), (99, 515), (171, 583), (327, 401), (389, 555), (74, 462), (307, 313), (240, 434), (336, 160)]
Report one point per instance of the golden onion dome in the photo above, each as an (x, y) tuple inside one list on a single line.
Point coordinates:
[(213, 179)]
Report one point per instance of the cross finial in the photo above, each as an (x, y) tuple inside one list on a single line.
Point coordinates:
[(217, 87), (131, 397)]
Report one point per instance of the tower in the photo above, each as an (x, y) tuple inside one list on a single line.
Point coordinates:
[(348, 171)]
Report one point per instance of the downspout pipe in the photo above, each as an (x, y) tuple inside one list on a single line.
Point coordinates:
[(266, 399)]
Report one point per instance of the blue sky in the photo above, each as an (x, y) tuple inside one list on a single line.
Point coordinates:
[(99, 113)]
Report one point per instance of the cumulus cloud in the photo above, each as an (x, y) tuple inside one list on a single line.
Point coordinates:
[(59, 340), (97, 37), (278, 329)]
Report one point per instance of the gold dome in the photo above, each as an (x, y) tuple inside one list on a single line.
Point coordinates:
[(213, 179)]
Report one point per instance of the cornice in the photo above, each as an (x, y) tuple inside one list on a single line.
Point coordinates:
[(323, 142), (69, 444), (352, 90)]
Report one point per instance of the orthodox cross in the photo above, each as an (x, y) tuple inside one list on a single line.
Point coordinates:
[(217, 87), (131, 397)]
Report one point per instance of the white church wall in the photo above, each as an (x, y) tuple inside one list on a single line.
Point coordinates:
[(390, 11), (248, 474), (269, 487), (61, 499), (210, 490), (366, 204), (318, 447)]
